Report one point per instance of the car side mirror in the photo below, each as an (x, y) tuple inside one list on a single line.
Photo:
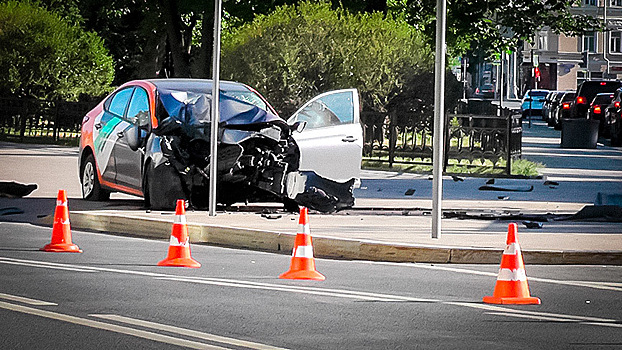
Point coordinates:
[(299, 126), (132, 136)]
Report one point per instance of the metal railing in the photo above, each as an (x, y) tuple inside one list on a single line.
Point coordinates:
[(52, 120), (477, 140)]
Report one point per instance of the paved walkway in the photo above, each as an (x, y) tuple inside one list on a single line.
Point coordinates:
[(389, 225)]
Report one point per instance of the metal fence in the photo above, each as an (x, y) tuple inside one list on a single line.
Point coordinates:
[(51, 120), (471, 140)]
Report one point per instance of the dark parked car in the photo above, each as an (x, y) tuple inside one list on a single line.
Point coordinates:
[(485, 91), (586, 93), (151, 138), (562, 109), (613, 119), (597, 109), (548, 107)]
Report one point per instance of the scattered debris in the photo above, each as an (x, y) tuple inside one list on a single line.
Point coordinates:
[(271, 216), (409, 192), (10, 211), (15, 190), (531, 224), (509, 188), (490, 182), (551, 183), (456, 178), (607, 213), (504, 198), (379, 189)]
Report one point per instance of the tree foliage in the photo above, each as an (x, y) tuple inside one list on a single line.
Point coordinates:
[(497, 24), (299, 51), (43, 56)]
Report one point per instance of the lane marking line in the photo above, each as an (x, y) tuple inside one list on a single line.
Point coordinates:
[(49, 266), (188, 332), (26, 300), (366, 296), (109, 327), (554, 319)]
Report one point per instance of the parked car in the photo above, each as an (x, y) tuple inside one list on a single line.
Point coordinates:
[(485, 91), (548, 106), (562, 109), (597, 109), (533, 101), (151, 138), (586, 93), (613, 119)]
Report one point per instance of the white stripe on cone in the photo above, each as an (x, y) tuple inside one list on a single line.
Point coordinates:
[(304, 228), (512, 249), (176, 243), (61, 203), (512, 275), (304, 251), (180, 219)]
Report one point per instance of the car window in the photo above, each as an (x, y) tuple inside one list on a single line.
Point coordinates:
[(333, 109), (119, 101), (247, 96), (138, 111)]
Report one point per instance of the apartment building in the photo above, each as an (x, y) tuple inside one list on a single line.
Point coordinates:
[(564, 62)]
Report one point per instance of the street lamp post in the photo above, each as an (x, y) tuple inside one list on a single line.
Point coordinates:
[(215, 110), (439, 119)]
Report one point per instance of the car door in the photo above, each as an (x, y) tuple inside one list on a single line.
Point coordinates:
[(105, 130), (127, 153), (331, 144)]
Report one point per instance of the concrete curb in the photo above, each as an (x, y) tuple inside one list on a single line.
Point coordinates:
[(330, 247)]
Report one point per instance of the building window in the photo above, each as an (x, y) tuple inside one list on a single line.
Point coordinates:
[(615, 44), (589, 42), (615, 2), (590, 2)]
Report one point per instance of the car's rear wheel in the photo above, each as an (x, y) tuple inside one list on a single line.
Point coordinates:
[(91, 188), (616, 133)]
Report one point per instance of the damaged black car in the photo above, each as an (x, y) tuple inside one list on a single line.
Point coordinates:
[(151, 138)]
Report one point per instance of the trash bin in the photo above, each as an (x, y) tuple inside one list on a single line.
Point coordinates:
[(579, 133)]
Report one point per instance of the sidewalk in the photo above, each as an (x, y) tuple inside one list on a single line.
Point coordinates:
[(388, 225)]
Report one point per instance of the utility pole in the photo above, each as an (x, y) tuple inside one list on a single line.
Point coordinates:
[(213, 170)]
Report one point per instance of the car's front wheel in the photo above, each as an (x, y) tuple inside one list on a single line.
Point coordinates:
[(91, 188), (162, 187)]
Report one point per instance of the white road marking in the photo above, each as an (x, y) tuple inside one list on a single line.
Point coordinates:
[(365, 296), (109, 327), (187, 332), (44, 265), (555, 319), (615, 286), (26, 300)]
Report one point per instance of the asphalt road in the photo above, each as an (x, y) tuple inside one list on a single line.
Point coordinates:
[(114, 296)]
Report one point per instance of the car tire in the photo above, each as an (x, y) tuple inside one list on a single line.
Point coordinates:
[(163, 193), (616, 135), (91, 188)]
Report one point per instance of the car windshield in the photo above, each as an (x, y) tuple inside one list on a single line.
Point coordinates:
[(569, 96), (247, 96), (602, 99)]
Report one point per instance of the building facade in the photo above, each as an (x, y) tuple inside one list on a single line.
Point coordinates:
[(564, 62)]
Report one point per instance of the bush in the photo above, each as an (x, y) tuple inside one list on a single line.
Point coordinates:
[(43, 56), (299, 51)]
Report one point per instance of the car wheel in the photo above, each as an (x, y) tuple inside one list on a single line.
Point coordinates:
[(91, 189), (162, 187)]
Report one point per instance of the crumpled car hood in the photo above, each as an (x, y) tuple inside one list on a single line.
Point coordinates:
[(194, 109)]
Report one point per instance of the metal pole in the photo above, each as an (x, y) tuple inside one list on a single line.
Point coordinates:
[(215, 110), (439, 118)]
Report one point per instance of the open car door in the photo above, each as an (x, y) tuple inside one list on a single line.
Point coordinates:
[(330, 147)]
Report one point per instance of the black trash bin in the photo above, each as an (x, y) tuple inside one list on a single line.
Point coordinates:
[(579, 133)]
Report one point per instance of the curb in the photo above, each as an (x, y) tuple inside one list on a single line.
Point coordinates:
[(330, 247)]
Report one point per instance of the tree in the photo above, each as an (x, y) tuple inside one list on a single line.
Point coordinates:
[(494, 25), (299, 51), (45, 57)]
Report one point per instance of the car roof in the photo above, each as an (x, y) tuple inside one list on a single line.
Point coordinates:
[(196, 84)]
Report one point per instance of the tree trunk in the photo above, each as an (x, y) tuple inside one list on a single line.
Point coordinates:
[(204, 63), (172, 19)]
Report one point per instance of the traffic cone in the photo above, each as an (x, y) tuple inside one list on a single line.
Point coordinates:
[(179, 247), (303, 264), (61, 230), (511, 287)]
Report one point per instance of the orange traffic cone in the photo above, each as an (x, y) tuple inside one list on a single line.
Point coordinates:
[(303, 264), (61, 230), (511, 287), (179, 247)]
